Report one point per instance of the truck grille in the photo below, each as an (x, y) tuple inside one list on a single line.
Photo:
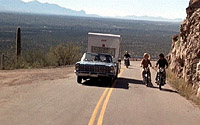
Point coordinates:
[(95, 69)]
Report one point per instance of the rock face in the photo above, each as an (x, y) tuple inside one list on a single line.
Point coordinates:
[(193, 6), (185, 55)]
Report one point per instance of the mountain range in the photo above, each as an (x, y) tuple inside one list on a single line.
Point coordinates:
[(149, 18), (36, 7)]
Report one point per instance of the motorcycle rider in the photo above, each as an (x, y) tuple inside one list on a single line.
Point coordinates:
[(145, 63), (127, 55), (162, 62)]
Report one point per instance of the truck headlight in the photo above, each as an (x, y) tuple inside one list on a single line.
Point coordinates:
[(112, 69), (77, 67)]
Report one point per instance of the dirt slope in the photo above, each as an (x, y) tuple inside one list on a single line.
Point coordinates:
[(28, 76)]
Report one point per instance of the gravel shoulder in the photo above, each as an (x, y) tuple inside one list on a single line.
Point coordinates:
[(14, 83), (28, 76)]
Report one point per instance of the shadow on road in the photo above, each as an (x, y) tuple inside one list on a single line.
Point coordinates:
[(97, 83), (133, 68), (168, 90), (121, 83), (165, 89)]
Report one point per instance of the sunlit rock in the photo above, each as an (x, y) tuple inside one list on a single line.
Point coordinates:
[(185, 54)]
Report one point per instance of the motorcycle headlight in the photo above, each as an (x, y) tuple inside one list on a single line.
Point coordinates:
[(161, 70), (77, 67)]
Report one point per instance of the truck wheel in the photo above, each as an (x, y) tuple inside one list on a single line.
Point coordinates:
[(116, 76), (118, 71), (110, 81), (79, 79)]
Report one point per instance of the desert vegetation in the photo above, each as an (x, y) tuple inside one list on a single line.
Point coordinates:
[(41, 33), (183, 88), (60, 55)]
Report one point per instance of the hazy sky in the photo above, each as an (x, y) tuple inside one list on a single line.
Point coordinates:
[(164, 8)]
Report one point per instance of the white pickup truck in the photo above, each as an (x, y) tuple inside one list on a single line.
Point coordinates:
[(102, 60)]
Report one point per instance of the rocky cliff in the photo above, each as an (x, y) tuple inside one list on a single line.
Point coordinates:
[(185, 55)]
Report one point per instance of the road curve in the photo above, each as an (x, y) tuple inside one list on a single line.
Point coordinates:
[(63, 101), (134, 103)]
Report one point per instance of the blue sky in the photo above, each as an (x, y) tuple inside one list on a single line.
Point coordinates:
[(165, 8)]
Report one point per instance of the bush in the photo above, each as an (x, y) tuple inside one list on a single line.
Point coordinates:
[(36, 59), (64, 54), (14, 63), (60, 55)]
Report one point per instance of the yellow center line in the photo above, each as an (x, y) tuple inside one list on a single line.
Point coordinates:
[(92, 120), (93, 117), (100, 120)]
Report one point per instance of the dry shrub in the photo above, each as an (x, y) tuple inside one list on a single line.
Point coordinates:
[(60, 55), (184, 89), (64, 54)]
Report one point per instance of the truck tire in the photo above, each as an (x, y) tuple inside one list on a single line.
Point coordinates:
[(79, 79), (116, 76), (117, 72), (110, 81)]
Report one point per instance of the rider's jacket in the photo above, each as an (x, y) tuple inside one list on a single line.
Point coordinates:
[(127, 56), (162, 63), (145, 63)]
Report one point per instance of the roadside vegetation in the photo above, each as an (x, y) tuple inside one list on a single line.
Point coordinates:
[(60, 55), (183, 88)]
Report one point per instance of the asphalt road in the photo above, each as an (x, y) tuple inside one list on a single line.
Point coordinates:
[(128, 102)]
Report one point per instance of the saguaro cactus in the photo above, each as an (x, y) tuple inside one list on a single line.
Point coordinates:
[(18, 41), (2, 61)]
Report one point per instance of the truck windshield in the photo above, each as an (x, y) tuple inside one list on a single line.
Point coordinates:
[(97, 57)]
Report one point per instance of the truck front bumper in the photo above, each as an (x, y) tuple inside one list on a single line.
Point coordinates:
[(94, 75)]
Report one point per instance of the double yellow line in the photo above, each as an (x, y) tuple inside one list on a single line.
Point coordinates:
[(96, 110)]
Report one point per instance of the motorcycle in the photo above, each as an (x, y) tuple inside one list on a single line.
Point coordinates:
[(147, 77), (161, 77), (126, 62)]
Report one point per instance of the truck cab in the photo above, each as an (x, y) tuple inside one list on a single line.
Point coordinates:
[(99, 66)]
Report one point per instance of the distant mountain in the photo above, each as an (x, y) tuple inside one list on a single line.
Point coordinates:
[(37, 7), (148, 18)]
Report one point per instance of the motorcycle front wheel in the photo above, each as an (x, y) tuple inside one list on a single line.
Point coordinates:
[(146, 82), (160, 86)]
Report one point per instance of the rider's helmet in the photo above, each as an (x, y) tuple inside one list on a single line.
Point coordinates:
[(147, 56)]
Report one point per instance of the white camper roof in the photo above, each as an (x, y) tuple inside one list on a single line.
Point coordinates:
[(103, 34)]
